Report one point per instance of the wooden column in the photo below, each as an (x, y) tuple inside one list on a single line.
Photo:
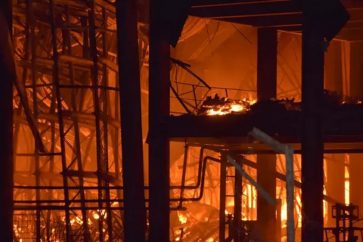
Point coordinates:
[(266, 164), (7, 70), (131, 128), (312, 141), (159, 105), (266, 63)]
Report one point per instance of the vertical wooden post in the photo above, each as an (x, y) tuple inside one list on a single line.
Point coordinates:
[(266, 63), (159, 105), (131, 128), (266, 164), (8, 76), (312, 139)]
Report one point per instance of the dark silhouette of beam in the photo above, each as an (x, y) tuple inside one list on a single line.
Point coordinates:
[(312, 140), (8, 76), (131, 127), (266, 164), (257, 8), (159, 106)]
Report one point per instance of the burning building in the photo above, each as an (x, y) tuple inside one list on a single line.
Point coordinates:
[(202, 120)]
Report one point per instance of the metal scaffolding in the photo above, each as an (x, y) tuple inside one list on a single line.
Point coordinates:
[(68, 78)]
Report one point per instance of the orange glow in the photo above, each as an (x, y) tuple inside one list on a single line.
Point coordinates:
[(96, 216), (346, 181), (182, 218), (225, 106)]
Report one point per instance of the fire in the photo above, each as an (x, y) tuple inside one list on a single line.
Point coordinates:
[(346, 181), (183, 219), (223, 106), (96, 216)]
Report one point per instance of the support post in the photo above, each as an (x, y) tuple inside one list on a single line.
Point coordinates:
[(266, 63), (8, 76), (159, 106), (266, 164), (312, 138), (130, 103)]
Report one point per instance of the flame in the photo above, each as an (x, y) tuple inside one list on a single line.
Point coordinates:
[(223, 106), (96, 216), (182, 218), (218, 111), (346, 186)]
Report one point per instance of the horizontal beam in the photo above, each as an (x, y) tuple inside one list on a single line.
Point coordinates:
[(266, 20), (245, 8)]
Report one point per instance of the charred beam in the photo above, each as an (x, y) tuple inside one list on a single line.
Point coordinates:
[(159, 106), (266, 63), (257, 8), (266, 164), (7, 70), (130, 103), (268, 20), (312, 139)]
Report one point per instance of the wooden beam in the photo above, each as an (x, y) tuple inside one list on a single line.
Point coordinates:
[(266, 20), (159, 106), (8, 76), (256, 8), (131, 127), (266, 164), (266, 63), (312, 138)]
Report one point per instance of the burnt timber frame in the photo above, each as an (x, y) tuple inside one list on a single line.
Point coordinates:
[(88, 109), (285, 15)]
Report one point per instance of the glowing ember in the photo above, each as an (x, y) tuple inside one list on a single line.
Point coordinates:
[(96, 216), (223, 106), (182, 218)]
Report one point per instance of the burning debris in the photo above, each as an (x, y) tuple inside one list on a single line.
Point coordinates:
[(222, 106), (217, 106)]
